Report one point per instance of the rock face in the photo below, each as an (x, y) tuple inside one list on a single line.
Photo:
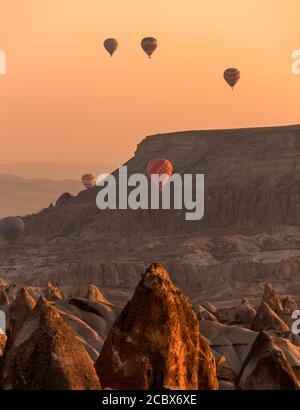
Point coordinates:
[(209, 308), (267, 319), (46, 342), (242, 315), (289, 304), (230, 342), (156, 342), (19, 311), (94, 294), (245, 313), (3, 296), (266, 368), (203, 314), (272, 298), (53, 292), (3, 339)]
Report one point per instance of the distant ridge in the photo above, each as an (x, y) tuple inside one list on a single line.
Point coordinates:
[(22, 196), (229, 130), (58, 172)]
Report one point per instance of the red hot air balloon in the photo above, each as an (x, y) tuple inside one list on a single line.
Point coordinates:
[(149, 45), (160, 166), (232, 76)]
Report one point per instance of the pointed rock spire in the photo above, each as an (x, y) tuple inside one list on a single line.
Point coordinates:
[(95, 295), (267, 319), (266, 367), (53, 292), (272, 298), (156, 342)]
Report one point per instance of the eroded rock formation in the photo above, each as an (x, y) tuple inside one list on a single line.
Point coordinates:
[(156, 343), (44, 354), (267, 319), (266, 367), (53, 292), (272, 298)]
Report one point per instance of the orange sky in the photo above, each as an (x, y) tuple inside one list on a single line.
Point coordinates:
[(65, 100)]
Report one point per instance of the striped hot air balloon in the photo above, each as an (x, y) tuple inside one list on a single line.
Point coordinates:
[(160, 167), (88, 180), (149, 45), (111, 45), (232, 76)]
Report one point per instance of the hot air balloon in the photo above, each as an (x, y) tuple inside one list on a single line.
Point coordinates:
[(11, 228), (88, 180), (232, 76), (160, 166), (149, 45), (110, 45)]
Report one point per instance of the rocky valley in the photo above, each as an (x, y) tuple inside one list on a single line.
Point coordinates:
[(218, 294)]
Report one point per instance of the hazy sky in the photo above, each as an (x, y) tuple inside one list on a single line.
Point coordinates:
[(65, 100)]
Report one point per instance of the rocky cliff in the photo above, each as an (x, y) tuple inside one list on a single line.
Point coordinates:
[(251, 180)]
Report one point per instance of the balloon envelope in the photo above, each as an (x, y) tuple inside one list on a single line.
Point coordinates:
[(88, 180), (149, 45), (232, 76), (111, 45), (11, 228), (160, 167)]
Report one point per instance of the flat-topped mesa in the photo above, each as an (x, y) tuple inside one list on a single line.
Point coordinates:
[(245, 146), (244, 170), (156, 342)]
